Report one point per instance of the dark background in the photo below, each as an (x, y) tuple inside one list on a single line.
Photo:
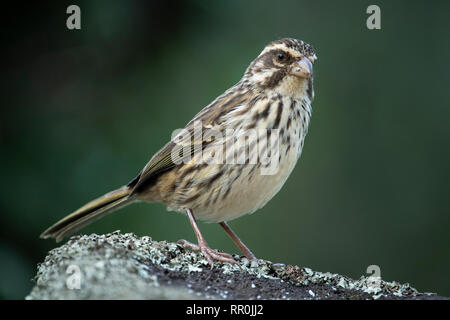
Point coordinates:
[(82, 111)]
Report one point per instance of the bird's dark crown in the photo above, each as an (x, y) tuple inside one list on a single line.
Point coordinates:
[(298, 45)]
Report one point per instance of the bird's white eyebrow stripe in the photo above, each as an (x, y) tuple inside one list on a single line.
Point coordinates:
[(283, 47)]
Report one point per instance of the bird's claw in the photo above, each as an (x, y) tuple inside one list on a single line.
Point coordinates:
[(210, 254)]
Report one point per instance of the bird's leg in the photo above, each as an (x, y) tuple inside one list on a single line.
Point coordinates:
[(246, 251), (202, 246)]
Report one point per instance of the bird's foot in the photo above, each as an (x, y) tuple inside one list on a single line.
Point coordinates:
[(210, 254)]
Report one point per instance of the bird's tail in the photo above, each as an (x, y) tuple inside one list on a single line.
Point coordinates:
[(88, 213)]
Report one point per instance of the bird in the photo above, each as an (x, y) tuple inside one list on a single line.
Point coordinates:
[(231, 158)]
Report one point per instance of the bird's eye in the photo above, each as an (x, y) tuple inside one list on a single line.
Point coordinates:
[(281, 56)]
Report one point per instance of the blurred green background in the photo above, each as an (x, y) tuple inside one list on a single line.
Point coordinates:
[(82, 112)]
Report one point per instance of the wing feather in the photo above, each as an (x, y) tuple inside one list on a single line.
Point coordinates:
[(210, 116)]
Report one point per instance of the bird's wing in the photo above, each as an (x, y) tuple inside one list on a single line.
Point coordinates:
[(161, 162), (209, 117), (171, 155)]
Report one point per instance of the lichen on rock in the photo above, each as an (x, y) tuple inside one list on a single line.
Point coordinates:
[(124, 266)]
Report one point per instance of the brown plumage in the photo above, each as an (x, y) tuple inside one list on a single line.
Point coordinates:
[(220, 166)]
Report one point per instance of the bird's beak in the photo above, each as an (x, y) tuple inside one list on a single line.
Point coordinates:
[(302, 68)]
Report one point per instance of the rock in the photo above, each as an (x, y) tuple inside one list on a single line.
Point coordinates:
[(124, 266)]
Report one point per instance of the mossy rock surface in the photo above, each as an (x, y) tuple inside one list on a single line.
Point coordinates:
[(124, 266)]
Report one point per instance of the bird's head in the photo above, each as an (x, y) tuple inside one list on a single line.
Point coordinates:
[(284, 66)]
